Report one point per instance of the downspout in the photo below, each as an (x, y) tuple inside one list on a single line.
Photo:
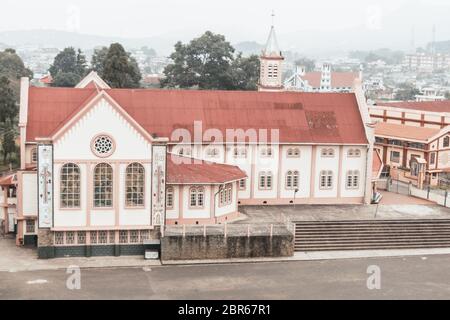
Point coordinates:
[(214, 199)]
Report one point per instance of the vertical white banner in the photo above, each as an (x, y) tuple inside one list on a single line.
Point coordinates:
[(45, 186), (159, 155)]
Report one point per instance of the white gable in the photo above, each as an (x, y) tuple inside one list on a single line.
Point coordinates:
[(95, 78), (75, 143)]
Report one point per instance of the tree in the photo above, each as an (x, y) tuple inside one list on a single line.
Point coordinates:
[(204, 62), (406, 92), (8, 137), (98, 60), (13, 68), (8, 105), (245, 72), (117, 67), (447, 95), (68, 68)]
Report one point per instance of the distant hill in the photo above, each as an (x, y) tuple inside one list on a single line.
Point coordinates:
[(61, 39)]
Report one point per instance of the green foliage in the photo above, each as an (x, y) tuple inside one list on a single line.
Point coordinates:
[(13, 68), (245, 72), (406, 92), (117, 67), (8, 137), (98, 59), (8, 105), (68, 68), (208, 62)]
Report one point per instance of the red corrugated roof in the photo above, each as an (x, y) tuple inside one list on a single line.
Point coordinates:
[(404, 132), (338, 79), (7, 180), (300, 117), (432, 106), (198, 171)]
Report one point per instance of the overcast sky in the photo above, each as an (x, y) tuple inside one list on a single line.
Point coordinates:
[(238, 19)]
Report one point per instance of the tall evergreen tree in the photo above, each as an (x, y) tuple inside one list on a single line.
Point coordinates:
[(8, 105), (117, 67), (8, 139), (68, 68)]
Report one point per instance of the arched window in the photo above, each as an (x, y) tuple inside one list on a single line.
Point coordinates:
[(266, 152), (134, 185), (326, 179), (240, 152), (446, 142), (70, 186), (327, 152), (354, 153), (352, 181), (293, 153), (169, 197), (265, 180), (34, 155), (184, 151), (292, 179), (212, 152), (196, 197), (103, 186)]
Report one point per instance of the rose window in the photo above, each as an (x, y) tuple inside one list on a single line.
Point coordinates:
[(103, 146)]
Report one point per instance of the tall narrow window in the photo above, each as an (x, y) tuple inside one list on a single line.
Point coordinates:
[(169, 198), (134, 185), (242, 184), (265, 180), (326, 179), (352, 179), (292, 179), (34, 155), (446, 142), (70, 186), (103, 186), (226, 195), (196, 197)]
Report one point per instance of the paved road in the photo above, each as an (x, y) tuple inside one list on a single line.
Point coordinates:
[(406, 278)]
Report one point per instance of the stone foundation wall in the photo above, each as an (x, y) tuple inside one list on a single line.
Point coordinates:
[(191, 247)]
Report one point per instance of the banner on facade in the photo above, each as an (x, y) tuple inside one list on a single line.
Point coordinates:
[(45, 186)]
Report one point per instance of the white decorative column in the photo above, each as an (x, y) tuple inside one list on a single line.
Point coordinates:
[(45, 186), (159, 173)]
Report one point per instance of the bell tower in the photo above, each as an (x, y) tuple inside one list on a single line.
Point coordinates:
[(271, 59)]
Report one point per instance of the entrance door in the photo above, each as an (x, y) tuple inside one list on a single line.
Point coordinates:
[(11, 222)]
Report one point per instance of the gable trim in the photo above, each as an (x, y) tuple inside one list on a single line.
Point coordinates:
[(60, 131), (93, 77)]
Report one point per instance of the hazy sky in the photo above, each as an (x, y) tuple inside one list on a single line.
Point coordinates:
[(238, 19)]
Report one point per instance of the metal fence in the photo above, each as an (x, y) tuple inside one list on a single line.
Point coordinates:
[(281, 227), (439, 196)]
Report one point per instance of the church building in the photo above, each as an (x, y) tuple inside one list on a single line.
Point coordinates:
[(103, 166)]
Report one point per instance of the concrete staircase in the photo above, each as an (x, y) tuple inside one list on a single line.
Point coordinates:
[(371, 235)]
